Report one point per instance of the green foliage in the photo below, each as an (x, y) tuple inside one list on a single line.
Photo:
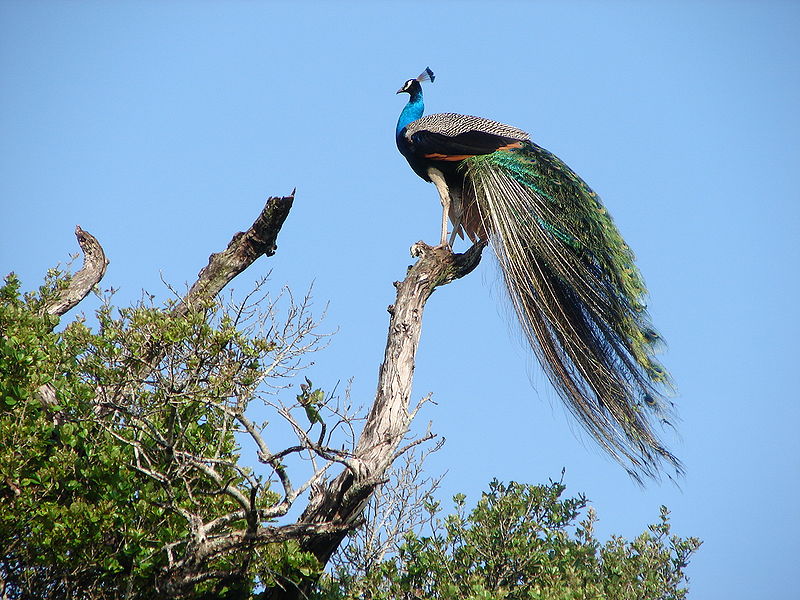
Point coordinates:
[(117, 440), (522, 542), (100, 482)]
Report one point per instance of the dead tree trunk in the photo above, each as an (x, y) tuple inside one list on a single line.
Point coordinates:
[(342, 501)]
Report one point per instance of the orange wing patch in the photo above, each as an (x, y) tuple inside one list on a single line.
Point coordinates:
[(510, 146), (451, 157), (455, 157)]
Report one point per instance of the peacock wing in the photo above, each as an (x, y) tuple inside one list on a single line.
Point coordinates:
[(449, 136)]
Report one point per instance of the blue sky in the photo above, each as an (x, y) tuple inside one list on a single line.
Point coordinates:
[(162, 127)]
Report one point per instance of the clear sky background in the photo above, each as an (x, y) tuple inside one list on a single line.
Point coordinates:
[(161, 127)]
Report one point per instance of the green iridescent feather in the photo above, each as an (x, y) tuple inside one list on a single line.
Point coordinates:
[(578, 295)]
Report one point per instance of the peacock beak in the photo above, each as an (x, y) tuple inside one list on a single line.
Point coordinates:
[(401, 90)]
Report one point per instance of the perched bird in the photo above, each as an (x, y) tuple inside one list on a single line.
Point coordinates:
[(569, 274)]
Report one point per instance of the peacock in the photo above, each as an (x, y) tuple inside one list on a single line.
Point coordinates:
[(570, 276)]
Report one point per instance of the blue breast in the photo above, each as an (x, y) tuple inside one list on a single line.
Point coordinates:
[(411, 112)]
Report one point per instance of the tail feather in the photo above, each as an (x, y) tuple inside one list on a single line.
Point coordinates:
[(578, 295)]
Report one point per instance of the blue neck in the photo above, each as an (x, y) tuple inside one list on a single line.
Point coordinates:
[(412, 111)]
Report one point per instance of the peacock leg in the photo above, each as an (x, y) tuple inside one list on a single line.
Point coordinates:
[(444, 195)]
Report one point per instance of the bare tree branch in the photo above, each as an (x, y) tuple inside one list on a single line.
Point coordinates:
[(242, 251), (342, 502), (400, 505), (185, 572), (82, 282)]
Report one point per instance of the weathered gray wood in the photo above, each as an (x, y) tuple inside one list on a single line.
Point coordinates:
[(82, 282), (192, 570), (242, 251), (342, 501)]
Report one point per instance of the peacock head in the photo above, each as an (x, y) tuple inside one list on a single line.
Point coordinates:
[(413, 87)]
